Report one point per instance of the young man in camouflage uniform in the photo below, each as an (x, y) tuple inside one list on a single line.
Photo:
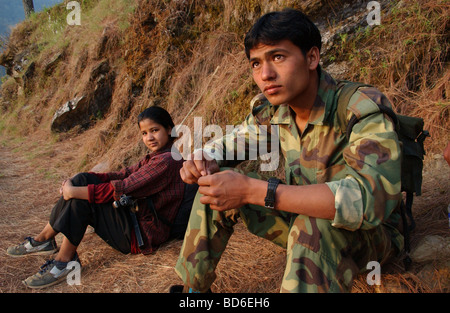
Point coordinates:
[(336, 210)]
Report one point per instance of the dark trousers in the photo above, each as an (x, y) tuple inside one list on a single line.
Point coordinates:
[(72, 217)]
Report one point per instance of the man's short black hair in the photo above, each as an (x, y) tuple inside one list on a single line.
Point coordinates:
[(288, 24)]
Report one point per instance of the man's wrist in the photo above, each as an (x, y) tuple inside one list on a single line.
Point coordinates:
[(255, 191)]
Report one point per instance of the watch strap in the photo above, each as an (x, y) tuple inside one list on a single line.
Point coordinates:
[(269, 200)]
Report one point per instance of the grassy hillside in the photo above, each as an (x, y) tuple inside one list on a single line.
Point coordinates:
[(175, 53)]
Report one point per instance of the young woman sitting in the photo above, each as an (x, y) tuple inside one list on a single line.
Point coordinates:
[(153, 184)]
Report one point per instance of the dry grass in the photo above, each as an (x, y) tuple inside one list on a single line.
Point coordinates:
[(407, 58)]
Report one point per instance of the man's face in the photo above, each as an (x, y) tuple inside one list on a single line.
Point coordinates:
[(282, 72)]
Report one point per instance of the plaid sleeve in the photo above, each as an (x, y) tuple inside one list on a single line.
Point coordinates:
[(145, 180), (100, 193)]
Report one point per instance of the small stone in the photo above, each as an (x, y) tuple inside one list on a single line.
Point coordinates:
[(431, 248)]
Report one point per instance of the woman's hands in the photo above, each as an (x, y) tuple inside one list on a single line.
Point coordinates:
[(69, 191), (65, 189)]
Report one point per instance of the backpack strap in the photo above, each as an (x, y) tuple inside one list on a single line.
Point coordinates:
[(346, 90), (406, 230)]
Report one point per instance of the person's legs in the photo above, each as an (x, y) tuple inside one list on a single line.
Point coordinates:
[(205, 240), (320, 257), (47, 233), (114, 226), (323, 258), (72, 217), (208, 233), (67, 249)]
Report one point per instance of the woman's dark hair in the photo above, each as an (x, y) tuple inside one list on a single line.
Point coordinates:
[(158, 115), (287, 24)]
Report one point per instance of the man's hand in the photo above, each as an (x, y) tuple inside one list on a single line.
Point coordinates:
[(197, 167), (224, 190)]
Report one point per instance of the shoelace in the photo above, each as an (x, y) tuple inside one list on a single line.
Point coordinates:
[(27, 239), (31, 240), (46, 265)]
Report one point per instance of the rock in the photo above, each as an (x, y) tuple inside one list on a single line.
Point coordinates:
[(89, 107), (101, 167), (15, 61), (50, 65), (431, 248), (337, 70), (28, 76), (69, 114)]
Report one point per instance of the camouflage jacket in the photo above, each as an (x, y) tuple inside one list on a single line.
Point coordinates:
[(363, 172)]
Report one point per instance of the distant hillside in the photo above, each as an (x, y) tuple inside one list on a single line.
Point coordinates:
[(11, 13)]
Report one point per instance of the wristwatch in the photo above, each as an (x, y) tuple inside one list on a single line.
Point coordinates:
[(269, 201)]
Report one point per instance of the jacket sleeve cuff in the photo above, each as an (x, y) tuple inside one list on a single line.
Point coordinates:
[(117, 186), (348, 203), (100, 193), (91, 193)]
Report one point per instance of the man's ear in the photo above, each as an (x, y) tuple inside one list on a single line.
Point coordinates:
[(313, 58)]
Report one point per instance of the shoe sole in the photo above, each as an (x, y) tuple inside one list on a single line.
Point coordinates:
[(45, 286), (48, 252)]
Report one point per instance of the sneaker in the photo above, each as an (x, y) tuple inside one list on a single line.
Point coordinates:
[(52, 272), (33, 247)]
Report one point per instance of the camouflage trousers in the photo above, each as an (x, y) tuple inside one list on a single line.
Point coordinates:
[(320, 257)]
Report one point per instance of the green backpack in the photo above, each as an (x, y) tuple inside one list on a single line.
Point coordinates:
[(411, 136)]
